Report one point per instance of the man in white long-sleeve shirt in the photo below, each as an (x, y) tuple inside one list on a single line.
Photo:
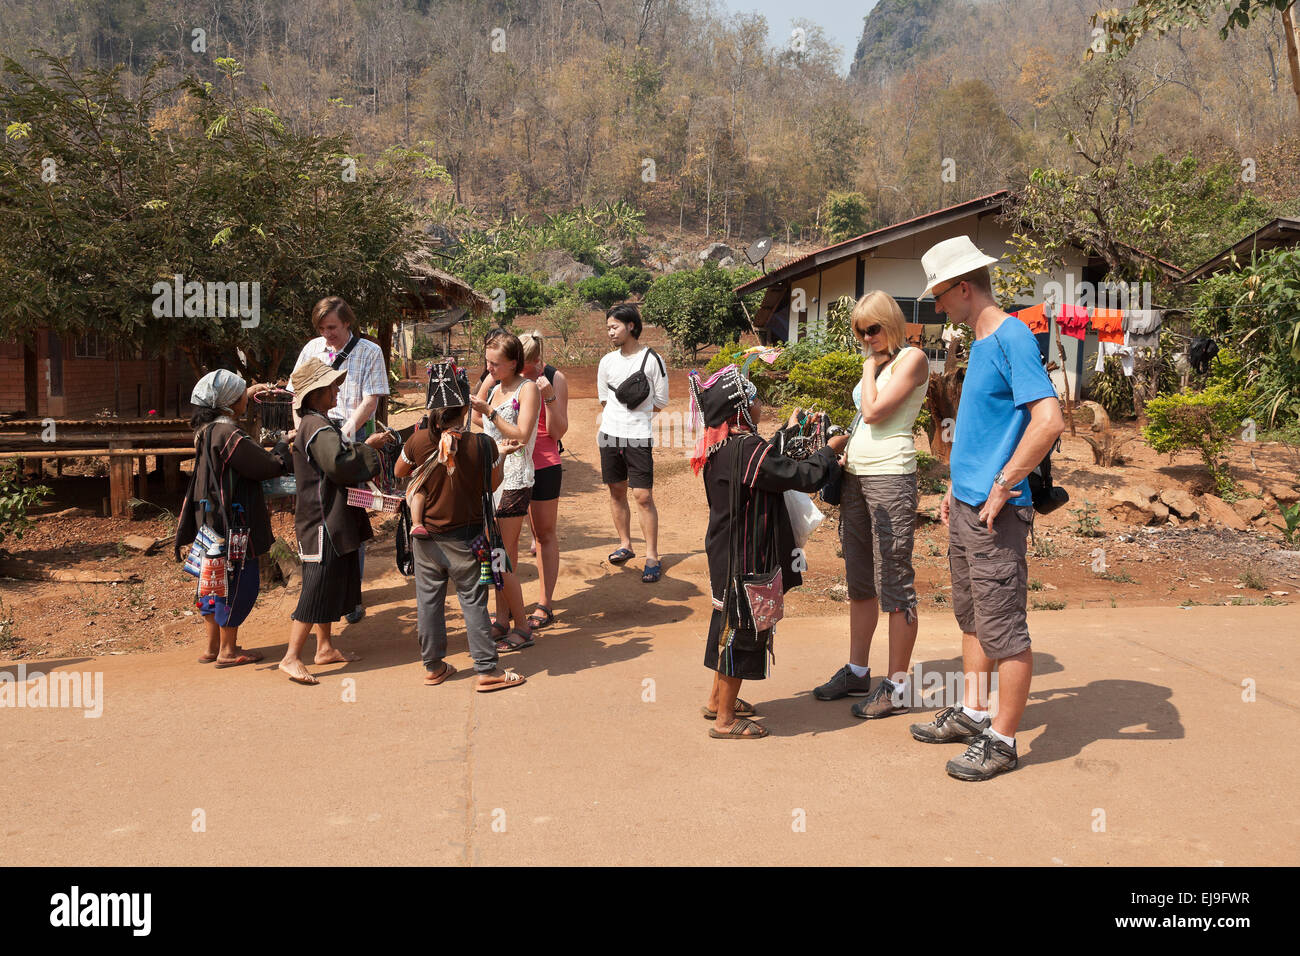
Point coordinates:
[(625, 439)]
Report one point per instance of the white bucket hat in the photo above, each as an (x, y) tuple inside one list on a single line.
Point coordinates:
[(950, 259)]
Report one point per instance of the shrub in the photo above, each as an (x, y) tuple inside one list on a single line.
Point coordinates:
[(845, 215), (825, 384), (605, 289), (1203, 421), (638, 278), (563, 317), (523, 295), (1112, 389), (15, 500)]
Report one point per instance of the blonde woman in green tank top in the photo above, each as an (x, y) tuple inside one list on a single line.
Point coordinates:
[(878, 508)]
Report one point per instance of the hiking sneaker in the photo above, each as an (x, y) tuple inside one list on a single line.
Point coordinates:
[(844, 684), (950, 726), (880, 702), (985, 758)]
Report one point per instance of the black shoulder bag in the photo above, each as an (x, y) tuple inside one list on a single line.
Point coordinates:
[(635, 389), (1046, 496), (755, 601)]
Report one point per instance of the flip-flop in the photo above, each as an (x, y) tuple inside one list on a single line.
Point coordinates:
[(743, 709), (508, 679), (241, 659), (621, 556), (447, 671), (546, 620), (651, 573), (207, 658), (421, 532), (737, 731), (505, 645)]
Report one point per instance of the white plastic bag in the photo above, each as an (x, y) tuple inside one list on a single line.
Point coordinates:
[(805, 516)]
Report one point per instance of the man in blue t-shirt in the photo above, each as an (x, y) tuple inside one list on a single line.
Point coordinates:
[(1008, 419)]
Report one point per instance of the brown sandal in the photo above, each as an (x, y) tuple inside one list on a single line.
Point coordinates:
[(743, 709), (433, 680), (507, 680), (739, 730)]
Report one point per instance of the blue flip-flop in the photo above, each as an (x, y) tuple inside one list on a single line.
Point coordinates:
[(621, 556), (651, 573)]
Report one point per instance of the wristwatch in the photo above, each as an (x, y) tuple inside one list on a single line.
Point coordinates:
[(492, 415), (999, 480)]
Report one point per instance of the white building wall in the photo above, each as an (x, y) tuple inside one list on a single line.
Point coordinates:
[(896, 268)]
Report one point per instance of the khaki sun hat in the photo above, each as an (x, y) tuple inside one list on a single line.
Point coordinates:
[(309, 376), (950, 259)]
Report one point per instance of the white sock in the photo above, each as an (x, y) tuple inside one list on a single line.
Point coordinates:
[(901, 691), (1009, 741), (859, 671), (975, 715)]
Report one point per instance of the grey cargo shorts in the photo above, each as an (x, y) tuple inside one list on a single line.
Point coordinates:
[(990, 577), (877, 529)]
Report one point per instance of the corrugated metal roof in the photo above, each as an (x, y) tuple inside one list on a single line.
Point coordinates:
[(881, 236)]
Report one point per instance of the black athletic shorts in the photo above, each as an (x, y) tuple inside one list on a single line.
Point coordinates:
[(626, 459), (546, 482)]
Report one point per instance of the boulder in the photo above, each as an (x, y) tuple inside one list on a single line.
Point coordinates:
[(717, 251), (680, 263), (1284, 493), (139, 542), (1251, 488), (1179, 502), (1218, 511), (1248, 508), (562, 267), (1133, 505), (727, 263), (1160, 511)]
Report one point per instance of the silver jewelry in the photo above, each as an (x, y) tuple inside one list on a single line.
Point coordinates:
[(1000, 480)]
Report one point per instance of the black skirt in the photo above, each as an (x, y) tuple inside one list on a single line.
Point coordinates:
[(331, 587), (746, 658)]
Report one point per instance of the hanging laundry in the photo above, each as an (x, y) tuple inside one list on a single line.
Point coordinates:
[(1073, 321), (1201, 352), (952, 333), (1109, 324), (1120, 351), (1143, 327), (1035, 317)]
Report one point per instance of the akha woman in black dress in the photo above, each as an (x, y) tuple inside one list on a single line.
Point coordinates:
[(329, 530), (745, 478)]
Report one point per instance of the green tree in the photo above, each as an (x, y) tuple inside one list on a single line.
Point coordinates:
[(696, 306), (845, 215)]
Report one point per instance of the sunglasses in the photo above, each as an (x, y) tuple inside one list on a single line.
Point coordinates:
[(869, 331)]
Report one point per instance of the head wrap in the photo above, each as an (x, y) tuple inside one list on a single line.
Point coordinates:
[(448, 386), (721, 403), (219, 390)]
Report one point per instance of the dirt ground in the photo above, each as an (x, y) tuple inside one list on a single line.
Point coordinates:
[(602, 757), (151, 608)]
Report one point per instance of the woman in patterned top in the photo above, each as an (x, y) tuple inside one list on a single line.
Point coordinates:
[(509, 415)]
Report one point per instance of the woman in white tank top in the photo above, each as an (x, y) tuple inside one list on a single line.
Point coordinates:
[(878, 508)]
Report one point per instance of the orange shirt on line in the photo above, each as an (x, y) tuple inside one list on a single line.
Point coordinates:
[(1035, 317), (1109, 324)]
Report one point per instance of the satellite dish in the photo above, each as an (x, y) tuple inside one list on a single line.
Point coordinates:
[(758, 251)]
